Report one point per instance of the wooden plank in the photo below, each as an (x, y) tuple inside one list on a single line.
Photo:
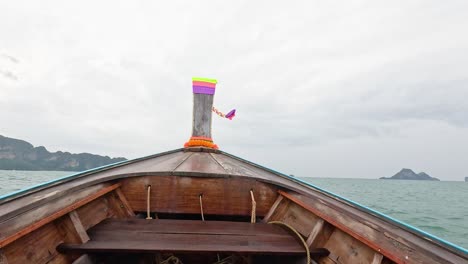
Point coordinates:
[(70, 230), (348, 249), (143, 236), (160, 164), (3, 258), (374, 233), (7, 240), (272, 209), (21, 221), (198, 244), (84, 259), (202, 107), (166, 226), (294, 215), (95, 212), (323, 235), (221, 196), (315, 231), (201, 162), (75, 219), (116, 206), (39, 246), (405, 240), (124, 201), (377, 258)]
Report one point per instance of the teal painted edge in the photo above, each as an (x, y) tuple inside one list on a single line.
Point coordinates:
[(75, 175), (365, 208), (82, 173), (121, 163)]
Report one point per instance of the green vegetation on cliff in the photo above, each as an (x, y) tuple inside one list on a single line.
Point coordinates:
[(18, 154)]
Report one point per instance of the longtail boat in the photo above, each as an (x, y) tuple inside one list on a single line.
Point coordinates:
[(199, 204)]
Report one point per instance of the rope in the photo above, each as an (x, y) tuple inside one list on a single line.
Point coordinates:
[(254, 207), (229, 115), (298, 235), (148, 216), (201, 208), (172, 260), (218, 112), (228, 260)]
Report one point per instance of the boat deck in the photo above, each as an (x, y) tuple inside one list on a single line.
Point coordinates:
[(145, 236)]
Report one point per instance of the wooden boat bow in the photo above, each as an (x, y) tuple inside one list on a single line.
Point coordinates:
[(98, 216)]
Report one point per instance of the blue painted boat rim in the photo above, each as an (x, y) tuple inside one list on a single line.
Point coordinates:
[(364, 208), (358, 205), (40, 186)]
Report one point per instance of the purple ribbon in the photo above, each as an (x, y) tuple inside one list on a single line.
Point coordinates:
[(203, 90), (231, 114)]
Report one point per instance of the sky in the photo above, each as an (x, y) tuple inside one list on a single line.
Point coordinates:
[(343, 89)]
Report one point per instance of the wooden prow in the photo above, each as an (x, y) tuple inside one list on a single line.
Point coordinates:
[(203, 93)]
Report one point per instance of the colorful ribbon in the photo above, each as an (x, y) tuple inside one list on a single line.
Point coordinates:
[(229, 115), (200, 142)]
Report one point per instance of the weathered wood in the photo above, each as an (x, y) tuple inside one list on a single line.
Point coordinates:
[(7, 226), (95, 212), (221, 196), (272, 209), (142, 236), (200, 162), (348, 249), (12, 225), (315, 231), (393, 243), (116, 206), (75, 219), (202, 107), (124, 202), (84, 259), (377, 258), (37, 247), (3, 258), (197, 243), (387, 261), (323, 235), (294, 215), (162, 164), (172, 226), (405, 241), (70, 230)]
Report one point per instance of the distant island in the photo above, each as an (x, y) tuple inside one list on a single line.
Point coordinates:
[(407, 174), (18, 154), (466, 179)]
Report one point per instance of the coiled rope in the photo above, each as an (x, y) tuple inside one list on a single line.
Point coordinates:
[(172, 260), (297, 234)]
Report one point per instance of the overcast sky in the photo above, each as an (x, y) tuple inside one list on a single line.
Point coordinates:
[(350, 89)]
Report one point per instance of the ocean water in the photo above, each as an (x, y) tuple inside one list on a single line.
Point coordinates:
[(439, 208)]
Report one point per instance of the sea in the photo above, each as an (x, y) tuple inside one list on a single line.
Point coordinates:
[(439, 208)]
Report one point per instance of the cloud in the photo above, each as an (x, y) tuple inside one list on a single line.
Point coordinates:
[(9, 58), (8, 75), (303, 76)]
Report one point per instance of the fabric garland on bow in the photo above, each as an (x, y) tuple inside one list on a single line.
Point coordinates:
[(229, 115)]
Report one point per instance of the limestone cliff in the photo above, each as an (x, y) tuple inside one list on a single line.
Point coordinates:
[(18, 154)]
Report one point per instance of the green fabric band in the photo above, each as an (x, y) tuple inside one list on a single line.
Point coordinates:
[(204, 80)]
